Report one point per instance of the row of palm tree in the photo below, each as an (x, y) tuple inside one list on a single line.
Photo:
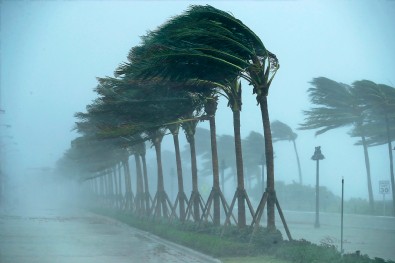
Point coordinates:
[(174, 79), (368, 108)]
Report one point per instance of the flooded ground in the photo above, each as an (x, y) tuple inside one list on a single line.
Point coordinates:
[(371, 235), (54, 236), (38, 234)]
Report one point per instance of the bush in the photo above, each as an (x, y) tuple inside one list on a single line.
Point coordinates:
[(303, 251)]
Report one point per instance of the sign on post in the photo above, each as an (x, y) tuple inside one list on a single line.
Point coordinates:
[(384, 188)]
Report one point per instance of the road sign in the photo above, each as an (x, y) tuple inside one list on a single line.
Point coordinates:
[(384, 187)]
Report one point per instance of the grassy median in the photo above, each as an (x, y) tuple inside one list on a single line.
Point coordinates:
[(233, 245)]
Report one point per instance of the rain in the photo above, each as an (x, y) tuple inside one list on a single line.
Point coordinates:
[(83, 118)]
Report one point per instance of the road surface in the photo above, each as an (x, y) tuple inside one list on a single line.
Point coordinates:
[(75, 236), (371, 235)]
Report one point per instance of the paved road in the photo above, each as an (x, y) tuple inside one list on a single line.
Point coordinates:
[(372, 235), (54, 236)]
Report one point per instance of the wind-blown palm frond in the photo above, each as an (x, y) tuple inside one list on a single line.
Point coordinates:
[(281, 132), (338, 106)]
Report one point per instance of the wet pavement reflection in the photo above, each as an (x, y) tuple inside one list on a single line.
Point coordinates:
[(50, 235)]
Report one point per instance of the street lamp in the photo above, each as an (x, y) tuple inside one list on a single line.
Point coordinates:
[(317, 156)]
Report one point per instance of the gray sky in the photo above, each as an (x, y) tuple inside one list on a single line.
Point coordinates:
[(52, 51)]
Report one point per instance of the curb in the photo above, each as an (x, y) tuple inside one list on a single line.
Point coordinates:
[(189, 251)]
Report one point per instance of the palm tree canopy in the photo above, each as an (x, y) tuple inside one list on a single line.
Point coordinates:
[(377, 98), (379, 104), (338, 106), (203, 44), (282, 132), (254, 149)]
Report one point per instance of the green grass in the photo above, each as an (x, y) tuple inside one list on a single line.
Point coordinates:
[(260, 259), (234, 245)]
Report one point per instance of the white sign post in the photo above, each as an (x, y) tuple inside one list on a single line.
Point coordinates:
[(384, 188)]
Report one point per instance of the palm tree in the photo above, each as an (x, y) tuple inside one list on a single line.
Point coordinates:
[(195, 201), (147, 196), (233, 94), (339, 106), (282, 132), (181, 198), (379, 100), (208, 45), (216, 195)]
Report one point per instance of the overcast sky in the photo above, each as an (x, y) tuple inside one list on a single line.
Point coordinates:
[(52, 52)]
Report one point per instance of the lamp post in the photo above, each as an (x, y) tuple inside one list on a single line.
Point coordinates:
[(317, 156)]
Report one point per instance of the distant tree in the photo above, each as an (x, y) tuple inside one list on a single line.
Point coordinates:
[(282, 132), (253, 151), (226, 157), (338, 106), (379, 100)]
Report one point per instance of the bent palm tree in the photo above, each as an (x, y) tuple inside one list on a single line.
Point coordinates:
[(208, 45), (339, 106), (379, 100), (282, 132)]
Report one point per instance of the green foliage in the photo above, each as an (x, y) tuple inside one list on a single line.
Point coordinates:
[(302, 251)]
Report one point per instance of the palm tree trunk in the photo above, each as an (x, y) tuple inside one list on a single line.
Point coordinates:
[(146, 185), (128, 184), (139, 184), (110, 188), (120, 185), (387, 124), (106, 195), (239, 169), (298, 161), (180, 178), (160, 183), (211, 108), (195, 188), (367, 165), (101, 185), (214, 160), (271, 225), (115, 186)]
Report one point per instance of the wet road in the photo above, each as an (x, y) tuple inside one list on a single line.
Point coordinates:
[(52, 236), (371, 235)]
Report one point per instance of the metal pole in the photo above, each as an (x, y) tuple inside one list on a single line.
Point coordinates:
[(317, 196), (341, 234)]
